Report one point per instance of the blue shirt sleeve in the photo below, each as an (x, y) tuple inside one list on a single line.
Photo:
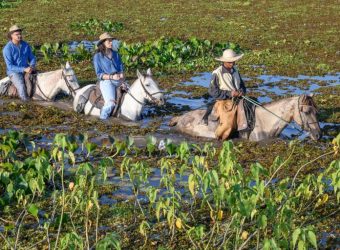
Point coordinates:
[(10, 62), (120, 67), (96, 62)]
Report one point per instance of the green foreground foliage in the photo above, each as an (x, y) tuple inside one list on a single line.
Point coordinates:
[(205, 199)]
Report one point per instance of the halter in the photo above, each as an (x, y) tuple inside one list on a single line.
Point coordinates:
[(302, 122), (152, 98), (72, 90)]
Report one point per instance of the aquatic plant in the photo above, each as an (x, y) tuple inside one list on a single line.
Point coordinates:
[(9, 4), (205, 197), (94, 26)]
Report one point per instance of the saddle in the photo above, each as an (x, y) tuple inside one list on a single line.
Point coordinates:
[(245, 116), (9, 89), (95, 97), (233, 116)]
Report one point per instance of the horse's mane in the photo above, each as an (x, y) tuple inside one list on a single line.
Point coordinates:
[(308, 100), (303, 99)]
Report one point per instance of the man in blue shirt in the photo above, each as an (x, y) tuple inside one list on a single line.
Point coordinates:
[(19, 60)]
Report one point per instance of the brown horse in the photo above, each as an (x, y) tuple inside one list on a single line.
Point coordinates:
[(269, 120)]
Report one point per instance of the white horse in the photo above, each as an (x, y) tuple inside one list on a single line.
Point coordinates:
[(269, 121), (143, 89), (49, 84)]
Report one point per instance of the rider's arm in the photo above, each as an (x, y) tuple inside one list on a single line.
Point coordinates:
[(242, 86), (10, 63), (120, 66), (101, 75), (215, 91)]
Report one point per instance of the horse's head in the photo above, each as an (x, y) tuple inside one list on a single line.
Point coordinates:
[(150, 87), (70, 83), (306, 116)]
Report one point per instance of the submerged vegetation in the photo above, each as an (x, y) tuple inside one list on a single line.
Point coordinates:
[(204, 198)]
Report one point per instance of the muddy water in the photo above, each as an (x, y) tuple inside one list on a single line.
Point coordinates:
[(267, 86), (90, 45)]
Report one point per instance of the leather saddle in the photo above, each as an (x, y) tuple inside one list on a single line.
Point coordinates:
[(97, 100), (30, 83), (245, 116)]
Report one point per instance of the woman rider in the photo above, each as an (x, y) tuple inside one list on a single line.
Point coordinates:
[(109, 70)]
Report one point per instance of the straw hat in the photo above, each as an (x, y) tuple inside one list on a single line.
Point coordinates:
[(14, 28), (104, 36), (229, 56)]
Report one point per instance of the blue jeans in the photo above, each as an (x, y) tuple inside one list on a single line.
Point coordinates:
[(19, 83), (108, 89)]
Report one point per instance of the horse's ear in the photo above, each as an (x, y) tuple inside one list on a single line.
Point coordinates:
[(148, 72), (67, 66), (139, 75)]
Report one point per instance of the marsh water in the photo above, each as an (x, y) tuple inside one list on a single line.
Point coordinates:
[(265, 88)]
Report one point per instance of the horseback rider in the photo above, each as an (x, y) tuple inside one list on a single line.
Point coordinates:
[(109, 70), (20, 61), (226, 82)]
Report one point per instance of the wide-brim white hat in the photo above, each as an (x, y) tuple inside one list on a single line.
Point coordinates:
[(229, 56)]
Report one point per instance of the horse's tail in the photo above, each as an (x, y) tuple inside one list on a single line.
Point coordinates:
[(173, 121)]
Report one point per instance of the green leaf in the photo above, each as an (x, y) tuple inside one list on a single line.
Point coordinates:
[(301, 245), (263, 221), (296, 236), (312, 238), (191, 184), (72, 157), (33, 210)]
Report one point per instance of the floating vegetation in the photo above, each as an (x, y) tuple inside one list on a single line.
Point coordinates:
[(4, 4), (163, 54), (94, 26)]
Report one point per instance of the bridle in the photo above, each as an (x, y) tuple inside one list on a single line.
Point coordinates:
[(280, 118), (151, 97), (68, 84), (303, 127)]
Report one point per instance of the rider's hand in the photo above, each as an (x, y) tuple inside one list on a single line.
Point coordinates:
[(235, 93), (28, 70), (124, 86)]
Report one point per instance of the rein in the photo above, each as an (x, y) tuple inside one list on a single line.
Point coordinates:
[(47, 98), (288, 123)]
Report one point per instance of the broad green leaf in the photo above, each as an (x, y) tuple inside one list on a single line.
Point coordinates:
[(312, 238), (33, 210), (301, 245), (191, 184), (296, 236)]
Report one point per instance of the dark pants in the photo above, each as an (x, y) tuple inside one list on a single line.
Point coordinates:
[(210, 107)]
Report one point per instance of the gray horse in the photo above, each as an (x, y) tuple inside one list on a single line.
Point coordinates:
[(300, 109)]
